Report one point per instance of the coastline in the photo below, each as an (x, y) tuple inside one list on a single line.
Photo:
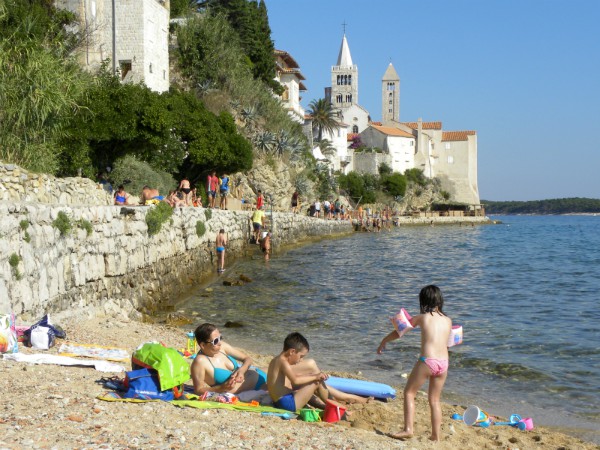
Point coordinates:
[(56, 406)]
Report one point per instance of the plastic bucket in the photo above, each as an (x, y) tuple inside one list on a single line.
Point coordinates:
[(456, 336), (526, 424), (475, 416), (333, 413), (310, 415)]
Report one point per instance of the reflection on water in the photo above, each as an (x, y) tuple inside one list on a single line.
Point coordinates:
[(526, 293)]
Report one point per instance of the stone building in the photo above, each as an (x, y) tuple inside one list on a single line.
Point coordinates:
[(132, 35), (289, 76), (343, 93), (450, 156)]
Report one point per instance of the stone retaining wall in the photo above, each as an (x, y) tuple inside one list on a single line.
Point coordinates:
[(19, 185), (120, 268)]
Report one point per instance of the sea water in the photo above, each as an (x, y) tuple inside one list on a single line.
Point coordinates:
[(526, 291)]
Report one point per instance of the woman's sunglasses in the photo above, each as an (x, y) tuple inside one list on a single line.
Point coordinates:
[(216, 340)]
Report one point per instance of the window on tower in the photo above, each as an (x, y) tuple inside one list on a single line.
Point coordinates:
[(355, 129), (338, 98), (350, 80)]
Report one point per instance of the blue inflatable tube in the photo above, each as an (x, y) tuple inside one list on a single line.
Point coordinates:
[(361, 387)]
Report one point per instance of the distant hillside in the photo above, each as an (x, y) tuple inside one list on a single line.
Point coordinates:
[(553, 206)]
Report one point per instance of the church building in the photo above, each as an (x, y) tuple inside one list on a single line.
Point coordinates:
[(450, 156)]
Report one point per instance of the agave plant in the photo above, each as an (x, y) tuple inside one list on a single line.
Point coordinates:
[(249, 116), (283, 143), (264, 141)]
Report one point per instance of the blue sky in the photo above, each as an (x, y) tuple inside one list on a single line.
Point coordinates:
[(525, 74)]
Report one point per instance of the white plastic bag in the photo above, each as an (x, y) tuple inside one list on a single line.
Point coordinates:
[(42, 338)]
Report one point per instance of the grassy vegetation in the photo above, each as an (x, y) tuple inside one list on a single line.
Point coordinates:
[(86, 225), (62, 223), (14, 261), (200, 228), (158, 215)]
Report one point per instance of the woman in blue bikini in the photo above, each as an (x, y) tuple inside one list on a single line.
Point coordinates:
[(217, 368)]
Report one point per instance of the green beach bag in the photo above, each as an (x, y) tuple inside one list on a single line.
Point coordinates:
[(173, 370)]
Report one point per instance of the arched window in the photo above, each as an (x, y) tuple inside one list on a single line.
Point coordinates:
[(350, 80), (339, 98), (355, 129)]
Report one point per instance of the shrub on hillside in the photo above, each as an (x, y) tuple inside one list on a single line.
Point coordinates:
[(135, 174)]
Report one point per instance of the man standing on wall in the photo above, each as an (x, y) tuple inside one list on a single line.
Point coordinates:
[(211, 188), (224, 191)]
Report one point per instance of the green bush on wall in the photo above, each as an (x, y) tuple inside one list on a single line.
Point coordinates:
[(86, 225), (208, 213), (62, 223), (200, 228), (13, 261), (157, 216)]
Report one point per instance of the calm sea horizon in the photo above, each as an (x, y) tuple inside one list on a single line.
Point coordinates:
[(525, 291)]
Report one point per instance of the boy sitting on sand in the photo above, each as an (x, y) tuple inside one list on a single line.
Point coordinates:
[(281, 377)]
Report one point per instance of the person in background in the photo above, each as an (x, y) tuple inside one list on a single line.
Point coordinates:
[(221, 243), (295, 196), (196, 199), (212, 183), (121, 197), (184, 187), (258, 222), (265, 244), (260, 200), (223, 191)]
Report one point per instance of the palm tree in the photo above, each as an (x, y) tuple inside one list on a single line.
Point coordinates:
[(323, 116), (326, 147)]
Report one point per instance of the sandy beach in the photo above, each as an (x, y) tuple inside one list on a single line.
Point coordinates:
[(48, 406)]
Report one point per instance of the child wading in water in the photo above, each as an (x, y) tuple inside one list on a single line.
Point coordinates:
[(432, 364)]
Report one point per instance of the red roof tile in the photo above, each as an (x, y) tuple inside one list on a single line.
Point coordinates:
[(457, 135), (426, 125), (391, 131), (287, 58)]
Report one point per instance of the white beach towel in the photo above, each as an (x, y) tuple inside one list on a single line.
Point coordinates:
[(38, 358)]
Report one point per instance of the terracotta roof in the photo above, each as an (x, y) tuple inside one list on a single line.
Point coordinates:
[(391, 131), (457, 135), (351, 136), (376, 123), (294, 71), (426, 125), (287, 58)]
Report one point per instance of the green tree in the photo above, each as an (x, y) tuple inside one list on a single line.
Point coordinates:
[(323, 117), (394, 184), (181, 8), (39, 83)]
